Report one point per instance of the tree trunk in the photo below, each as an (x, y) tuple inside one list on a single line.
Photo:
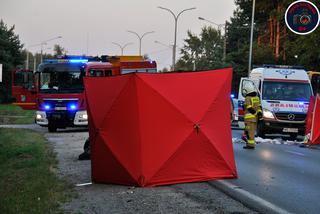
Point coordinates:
[(284, 44), (278, 36), (271, 31)]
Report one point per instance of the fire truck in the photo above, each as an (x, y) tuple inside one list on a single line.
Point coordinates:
[(23, 89), (58, 91)]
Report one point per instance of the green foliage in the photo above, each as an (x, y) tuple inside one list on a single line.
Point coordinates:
[(58, 50), (10, 57), (11, 114), (202, 52)]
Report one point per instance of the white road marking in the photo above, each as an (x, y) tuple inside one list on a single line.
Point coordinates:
[(84, 184), (295, 153), (253, 197)]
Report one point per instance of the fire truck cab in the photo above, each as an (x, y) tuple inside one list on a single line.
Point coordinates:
[(61, 99), (23, 89)]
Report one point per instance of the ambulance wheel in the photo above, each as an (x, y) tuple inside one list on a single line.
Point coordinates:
[(52, 128), (260, 130)]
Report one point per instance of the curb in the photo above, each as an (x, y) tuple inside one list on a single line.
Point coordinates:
[(246, 198)]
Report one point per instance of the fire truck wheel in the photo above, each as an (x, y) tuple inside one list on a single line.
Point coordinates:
[(52, 128)]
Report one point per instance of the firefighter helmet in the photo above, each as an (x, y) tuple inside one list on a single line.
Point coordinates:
[(248, 88)]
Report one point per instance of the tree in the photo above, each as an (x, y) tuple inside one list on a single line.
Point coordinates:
[(202, 52), (58, 50), (10, 56)]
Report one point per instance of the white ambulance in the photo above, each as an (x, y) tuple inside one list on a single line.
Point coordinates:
[(284, 92)]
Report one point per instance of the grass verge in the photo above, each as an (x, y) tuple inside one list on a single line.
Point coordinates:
[(28, 183), (11, 114)]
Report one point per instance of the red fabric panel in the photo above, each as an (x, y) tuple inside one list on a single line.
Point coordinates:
[(120, 129), (315, 137), (192, 93), (105, 167), (98, 93), (309, 115), (216, 123), (163, 128), (195, 160)]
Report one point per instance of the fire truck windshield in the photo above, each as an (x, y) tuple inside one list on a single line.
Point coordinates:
[(61, 78)]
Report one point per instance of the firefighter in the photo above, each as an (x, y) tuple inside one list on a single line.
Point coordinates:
[(253, 113)]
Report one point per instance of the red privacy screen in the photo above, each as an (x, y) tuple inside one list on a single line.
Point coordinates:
[(154, 129), (313, 120)]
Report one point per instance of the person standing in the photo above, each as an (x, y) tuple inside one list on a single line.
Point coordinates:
[(253, 113)]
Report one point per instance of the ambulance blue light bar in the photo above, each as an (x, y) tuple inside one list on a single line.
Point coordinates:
[(282, 66)]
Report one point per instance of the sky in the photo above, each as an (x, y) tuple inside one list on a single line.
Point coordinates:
[(90, 26)]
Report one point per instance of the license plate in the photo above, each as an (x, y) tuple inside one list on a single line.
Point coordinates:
[(60, 108), (290, 130), (56, 116)]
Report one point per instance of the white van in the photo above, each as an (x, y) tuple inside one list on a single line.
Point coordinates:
[(284, 92)]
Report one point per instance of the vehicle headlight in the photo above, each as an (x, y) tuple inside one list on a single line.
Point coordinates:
[(268, 114), (83, 115)]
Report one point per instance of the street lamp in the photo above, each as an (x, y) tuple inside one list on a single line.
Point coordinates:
[(225, 35), (122, 46), (160, 43), (140, 37), (27, 60), (45, 43), (251, 36), (175, 32)]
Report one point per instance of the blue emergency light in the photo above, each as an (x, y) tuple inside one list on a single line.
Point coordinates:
[(47, 107), (72, 107), (78, 60), (232, 95)]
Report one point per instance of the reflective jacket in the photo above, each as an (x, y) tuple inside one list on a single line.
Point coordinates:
[(253, 103)]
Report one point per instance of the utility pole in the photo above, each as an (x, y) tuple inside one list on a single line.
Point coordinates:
[(251, 36)]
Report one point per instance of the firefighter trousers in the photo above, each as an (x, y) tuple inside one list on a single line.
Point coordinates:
[(250, 129)]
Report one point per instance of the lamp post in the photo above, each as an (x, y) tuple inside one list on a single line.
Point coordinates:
[(160, 43), (175, 32), (44, 43), (122, 47), (251, 36), (140, 37), (224, 38)]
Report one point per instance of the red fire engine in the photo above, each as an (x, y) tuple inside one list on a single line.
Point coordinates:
[(58, 89)]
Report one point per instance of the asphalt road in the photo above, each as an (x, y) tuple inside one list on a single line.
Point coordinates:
[(285, 175)]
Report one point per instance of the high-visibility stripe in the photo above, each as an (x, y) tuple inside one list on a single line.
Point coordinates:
[(248, 116), (24, 104), (251, 142)]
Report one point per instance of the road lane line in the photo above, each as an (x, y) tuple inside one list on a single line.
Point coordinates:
[(250, 200), (295, 153)]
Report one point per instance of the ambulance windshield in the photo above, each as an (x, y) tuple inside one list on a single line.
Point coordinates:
[(287, 91)]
